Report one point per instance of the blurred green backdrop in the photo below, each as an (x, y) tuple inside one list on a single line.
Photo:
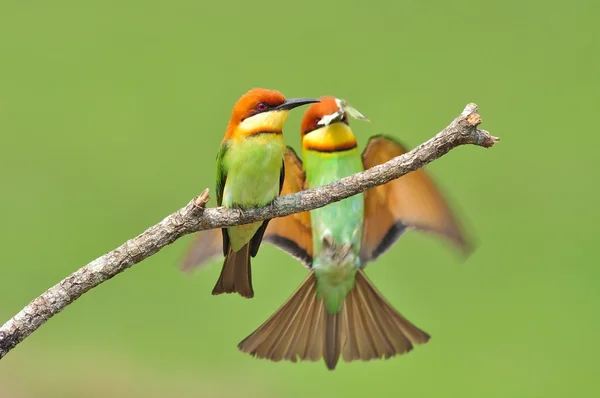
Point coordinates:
[(111, 114)]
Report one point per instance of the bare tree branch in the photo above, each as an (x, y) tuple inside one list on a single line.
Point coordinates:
[(194, 217)]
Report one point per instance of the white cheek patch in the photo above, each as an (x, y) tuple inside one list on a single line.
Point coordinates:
[(343, 107)]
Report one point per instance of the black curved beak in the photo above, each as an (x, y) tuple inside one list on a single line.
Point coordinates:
[(294, 103)]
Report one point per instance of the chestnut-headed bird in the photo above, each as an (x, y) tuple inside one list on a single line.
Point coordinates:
[(337, 311), (250, 172)]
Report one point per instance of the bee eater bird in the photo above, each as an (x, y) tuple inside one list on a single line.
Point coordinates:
[(250, 172), (337, 310)]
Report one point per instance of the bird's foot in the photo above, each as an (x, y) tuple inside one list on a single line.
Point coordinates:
[(238, 210)]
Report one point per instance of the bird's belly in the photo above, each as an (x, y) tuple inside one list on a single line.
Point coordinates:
[(254, 173), (343, 220), (252, 189)]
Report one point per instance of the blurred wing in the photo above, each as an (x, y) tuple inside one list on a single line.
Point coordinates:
[(411, 201), (210, 243), (206, 246), (292, 233)]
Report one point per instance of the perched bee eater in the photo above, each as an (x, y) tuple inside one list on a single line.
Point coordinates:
[(337, 310), (250, 173)]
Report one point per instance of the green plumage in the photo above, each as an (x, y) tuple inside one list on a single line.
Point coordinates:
[(336, 260), (249, 174)]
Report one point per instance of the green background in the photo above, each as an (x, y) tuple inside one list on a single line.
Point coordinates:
[(111, 114)]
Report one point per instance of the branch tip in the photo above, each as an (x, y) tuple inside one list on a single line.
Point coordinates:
[(202, 199), (470, 108), (485, 139), (492, 140)]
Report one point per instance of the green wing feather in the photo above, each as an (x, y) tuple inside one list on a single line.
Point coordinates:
[(221, 172), (221, 179)]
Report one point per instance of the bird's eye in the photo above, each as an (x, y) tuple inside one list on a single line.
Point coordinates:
[(317, 120), (261, 106)]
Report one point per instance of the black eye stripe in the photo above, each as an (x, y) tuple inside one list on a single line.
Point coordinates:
[(255, 111)]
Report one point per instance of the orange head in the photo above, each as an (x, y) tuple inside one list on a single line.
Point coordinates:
[(325, 126), (261, 111), (314, 114)]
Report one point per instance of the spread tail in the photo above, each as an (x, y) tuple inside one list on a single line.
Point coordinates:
[(365, 328), (236, 275)]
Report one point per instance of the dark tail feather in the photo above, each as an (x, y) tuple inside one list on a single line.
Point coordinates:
[(236, 274), (332, 340), (288, 332), (366, 328), (375, 328)]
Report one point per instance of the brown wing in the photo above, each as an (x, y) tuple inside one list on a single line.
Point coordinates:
[(292, 233), (207, 245), (411, 201)]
